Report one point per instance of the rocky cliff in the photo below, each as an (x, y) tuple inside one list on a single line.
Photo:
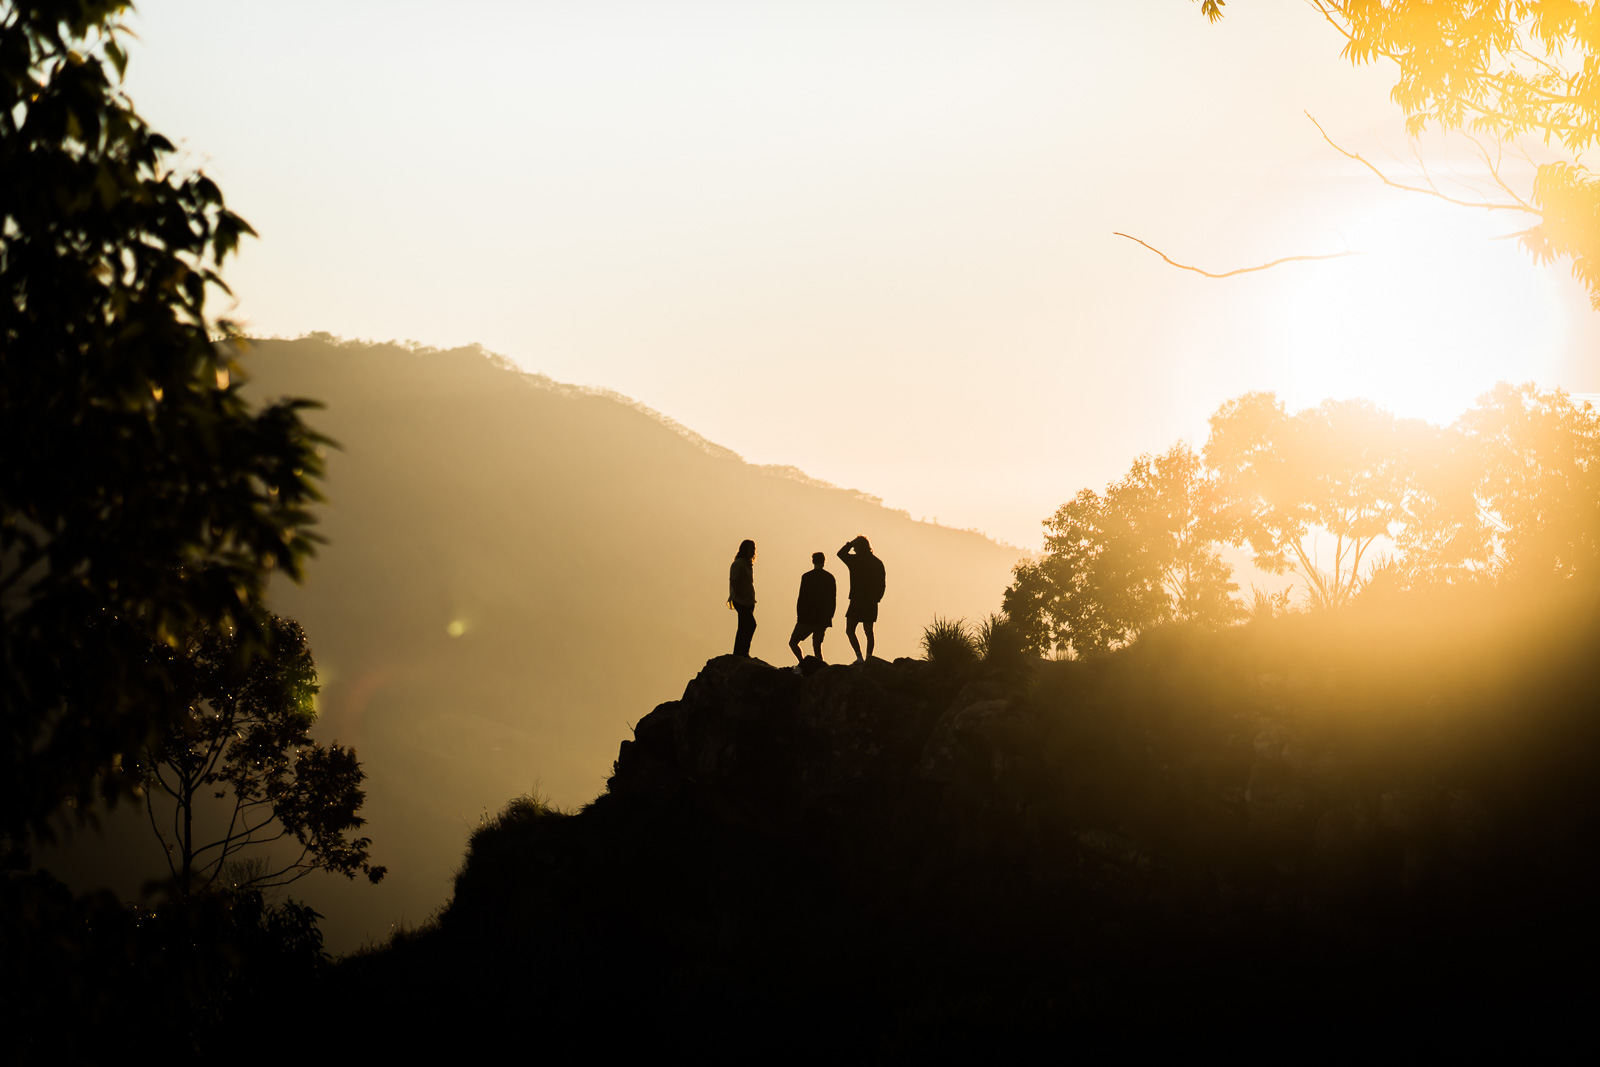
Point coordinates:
[(1313, 826)]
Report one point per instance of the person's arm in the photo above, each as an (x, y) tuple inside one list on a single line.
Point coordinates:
[(844, 553)]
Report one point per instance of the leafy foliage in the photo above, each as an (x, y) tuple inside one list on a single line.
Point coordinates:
[(243, 733), (1511, 491), (1348, 468), (1117, 565), (1538, 463), (141, 497)]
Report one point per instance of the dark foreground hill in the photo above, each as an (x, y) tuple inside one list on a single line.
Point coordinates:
[(516, 570), (1373, 833)]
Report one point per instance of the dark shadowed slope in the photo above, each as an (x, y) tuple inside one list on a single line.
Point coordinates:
[(1339, 834), (516, 568)]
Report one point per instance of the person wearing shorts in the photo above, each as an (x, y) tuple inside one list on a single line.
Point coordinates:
[(819, 598), (866, 589)]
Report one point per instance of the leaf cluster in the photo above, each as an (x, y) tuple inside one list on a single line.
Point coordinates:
[(141, 496), (1508, 69)]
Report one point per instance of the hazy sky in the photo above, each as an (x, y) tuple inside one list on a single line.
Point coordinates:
[(869, 239)]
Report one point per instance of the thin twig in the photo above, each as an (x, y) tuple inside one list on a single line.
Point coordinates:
[(1429, 190), (1231, 273)]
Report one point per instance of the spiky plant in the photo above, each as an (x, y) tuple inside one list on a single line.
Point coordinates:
[(1000, 644), (949, 642)]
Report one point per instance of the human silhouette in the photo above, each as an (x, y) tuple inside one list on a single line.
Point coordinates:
[(866, 589), (819, 597), (742, 596)]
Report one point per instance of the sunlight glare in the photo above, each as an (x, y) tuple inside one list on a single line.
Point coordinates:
[(1433, 315)]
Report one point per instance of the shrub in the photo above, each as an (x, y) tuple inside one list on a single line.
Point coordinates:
[(949, 642), (1001, 643)]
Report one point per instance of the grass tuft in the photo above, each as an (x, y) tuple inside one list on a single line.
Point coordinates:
[(1000, 644), (949, 642)]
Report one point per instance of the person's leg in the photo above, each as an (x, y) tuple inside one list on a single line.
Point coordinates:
[(747, 630), (816, 641), (867, 626), (850, 632), (794, 642)]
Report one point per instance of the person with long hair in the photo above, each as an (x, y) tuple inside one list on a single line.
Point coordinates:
[(742, 596)]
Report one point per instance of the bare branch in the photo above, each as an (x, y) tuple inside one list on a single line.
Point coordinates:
[(1240, 270), (1429, 190)]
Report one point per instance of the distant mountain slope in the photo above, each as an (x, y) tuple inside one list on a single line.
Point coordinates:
[(580, 545)]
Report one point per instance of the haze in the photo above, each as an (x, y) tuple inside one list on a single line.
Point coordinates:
[(765, 221)]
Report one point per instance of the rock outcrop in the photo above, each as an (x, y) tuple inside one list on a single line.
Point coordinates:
[(904, 859)]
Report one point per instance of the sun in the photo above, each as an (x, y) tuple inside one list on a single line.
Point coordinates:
[(1433, 313)]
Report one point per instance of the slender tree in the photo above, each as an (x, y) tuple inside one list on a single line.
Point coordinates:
[(240, 772)]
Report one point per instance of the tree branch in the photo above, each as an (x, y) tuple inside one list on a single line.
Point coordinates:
[(1429, 190), (1240, 270)]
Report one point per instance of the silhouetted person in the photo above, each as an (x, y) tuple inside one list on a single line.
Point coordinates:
[(866, 589), (742, 595), (813, 612)]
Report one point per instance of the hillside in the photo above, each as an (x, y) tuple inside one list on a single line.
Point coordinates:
[(1319, 835), (580, 545)]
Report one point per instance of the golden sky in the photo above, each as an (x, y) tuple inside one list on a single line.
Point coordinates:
[(869, 239)]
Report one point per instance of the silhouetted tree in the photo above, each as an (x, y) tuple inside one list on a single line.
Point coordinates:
[(1538, 459), (141, 497), (1026, 604), (242, 738), (1116, 565), (1346, 468)]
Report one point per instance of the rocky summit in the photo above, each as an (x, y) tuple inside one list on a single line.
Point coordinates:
[(1260, 828)]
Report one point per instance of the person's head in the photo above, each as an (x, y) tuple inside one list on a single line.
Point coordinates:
[(863, 545), (818, 559), (747, 549)]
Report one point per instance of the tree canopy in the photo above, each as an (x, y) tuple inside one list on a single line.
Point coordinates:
[(1511, 492), (1538, 461), (1116, 565), (1347, 468), (141, 496)]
